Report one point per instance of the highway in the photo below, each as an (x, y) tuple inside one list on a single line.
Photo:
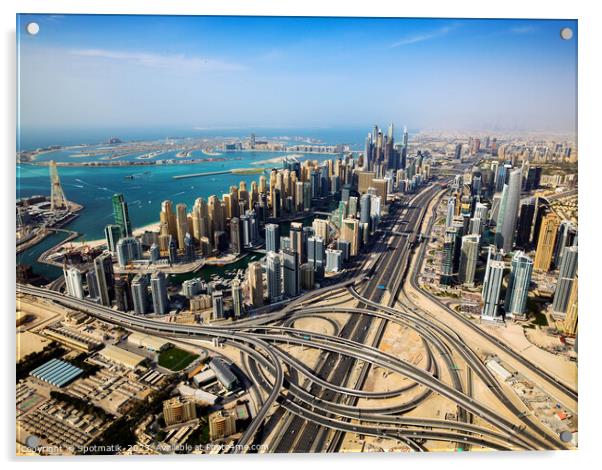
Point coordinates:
[(311, 409)]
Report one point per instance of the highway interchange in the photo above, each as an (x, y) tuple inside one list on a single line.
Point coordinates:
[(311, 409)]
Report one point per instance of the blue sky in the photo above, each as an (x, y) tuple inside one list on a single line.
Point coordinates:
[(222, 72)]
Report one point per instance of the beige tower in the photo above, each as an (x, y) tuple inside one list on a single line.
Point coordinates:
[(57, 196), (182, 224), (570, 322), (546, 241), (255, 281), (350, 231)]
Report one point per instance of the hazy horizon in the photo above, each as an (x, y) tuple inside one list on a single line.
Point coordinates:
[(216, 73)]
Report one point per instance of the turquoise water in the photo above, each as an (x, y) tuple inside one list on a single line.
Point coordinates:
[(93, 188)]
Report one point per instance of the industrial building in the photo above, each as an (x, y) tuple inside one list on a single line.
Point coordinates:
[(56, 372), (151, 343), (121, 356), (223, 373)]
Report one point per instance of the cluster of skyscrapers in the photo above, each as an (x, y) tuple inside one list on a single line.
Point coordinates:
[(248, 217), (490, 211)]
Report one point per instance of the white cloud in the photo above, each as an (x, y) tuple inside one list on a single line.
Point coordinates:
[(523, 29), (422, 37), (173, 61)]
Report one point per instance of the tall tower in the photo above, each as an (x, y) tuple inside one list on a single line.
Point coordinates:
[(57, 196), (546, 242), (517, 290), (121, 215)]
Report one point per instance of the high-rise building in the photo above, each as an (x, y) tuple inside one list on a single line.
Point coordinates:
[(546, 242), (92, 285), (57, 196), (569, 326), (112, 236), (567, 234), (73, 282), (468, 259), (566, 277), (315, 254), (350, 232), (103, 267), (334, 260), (255, 280), (237, 298), (290, 265), (296, 236), (154, 253), (158, 285), (123, 295), (272, 237), (492, 291), (321, 229), (447, 260), (274, 276), (140, 293), (181, 224), (525, 224), (506, 221), (451, 211), (517, 290), (217, 299), (235, 236), (178, 410), (128, 249), (458, 152), (189, 251), (121, 215)]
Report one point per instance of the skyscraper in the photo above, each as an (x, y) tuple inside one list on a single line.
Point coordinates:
[(518, 286), (525, 223), (334, 260), (566, 236), (123, 295), (447, 260), (492, 291), (103, 267), (121, 215), (140, 294), (182, 224), (506, 221), (217, 299), (566, 277), (292, 281), (272, 237), (255, 280), (237, 298), (296, 236), (112, 236), (273, 277), (57, 196), (73, 282), (468, 259), (315, 254), (451, 211), (92, 285), (235, 236), (159, 292), (128, 249), (350, 232), (570, 320), (365, 208), (546, 242)]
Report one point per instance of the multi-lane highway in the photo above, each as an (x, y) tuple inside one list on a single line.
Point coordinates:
[(311, 408)]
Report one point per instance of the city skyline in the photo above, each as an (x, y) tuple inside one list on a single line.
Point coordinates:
[(379, 287), (267, 72)]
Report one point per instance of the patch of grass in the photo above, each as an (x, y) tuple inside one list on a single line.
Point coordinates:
[(176, 359)]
